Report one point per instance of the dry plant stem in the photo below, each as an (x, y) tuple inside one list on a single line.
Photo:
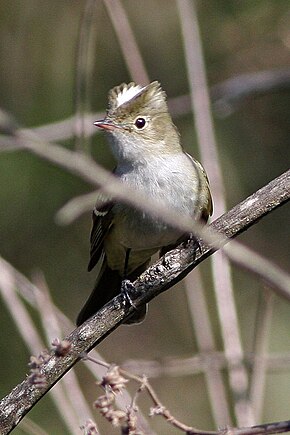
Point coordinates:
[(89, 171), (229, 94), (198, 364), (167, 271), (268, 428), (258, 381), (32, 428), (206, 344), (84, 72), (66, 129), (222, 280), (237, 89), (159, 408), (70, 384), (75, 208), (19, 312), (128, 44), (32, 339), (12, 281)]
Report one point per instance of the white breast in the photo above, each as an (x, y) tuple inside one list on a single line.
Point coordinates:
[(174, 180)]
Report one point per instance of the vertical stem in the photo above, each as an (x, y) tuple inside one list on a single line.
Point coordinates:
[(206, 346), (128, 44), (200, 101), (260, 363)]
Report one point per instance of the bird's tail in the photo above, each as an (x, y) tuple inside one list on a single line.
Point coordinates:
[(108, 285)]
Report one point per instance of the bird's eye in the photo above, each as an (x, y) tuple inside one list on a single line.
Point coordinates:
[(140, 123)]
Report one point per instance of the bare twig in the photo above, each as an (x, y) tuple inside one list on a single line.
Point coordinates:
[(128, 44), (170, 366), (75, 208), (70, 385), (84, 71), (160, 409), (18, 311), (222, 281), (33, 341), (268, 428), (225, 97), (205, 342), (31, 294), (197, 364), (86, 168), (228, 95), (260, 361), (66, 129), (167, 271), (31, 428)]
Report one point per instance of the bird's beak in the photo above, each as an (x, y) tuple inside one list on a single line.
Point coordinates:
[(106, 124)]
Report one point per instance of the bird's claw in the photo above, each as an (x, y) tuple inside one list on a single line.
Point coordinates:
[(195, 244), (126, 287)]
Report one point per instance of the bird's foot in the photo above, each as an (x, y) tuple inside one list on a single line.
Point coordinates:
[(194, 243), (126, 287)]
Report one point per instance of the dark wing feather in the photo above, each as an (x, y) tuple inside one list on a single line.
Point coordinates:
[(102, 222), (203, 184)]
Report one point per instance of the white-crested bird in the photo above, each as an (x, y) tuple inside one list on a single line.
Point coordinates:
[(146, 145)]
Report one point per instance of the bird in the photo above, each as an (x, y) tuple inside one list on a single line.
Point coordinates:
[(149, 157)]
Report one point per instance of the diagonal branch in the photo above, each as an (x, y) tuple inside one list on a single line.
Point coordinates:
[(161, 276), (221, 268), (84, 167)]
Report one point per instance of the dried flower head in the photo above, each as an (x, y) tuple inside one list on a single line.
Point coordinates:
[(105, 401), (38, 380), (115, 416), (61, 347), (113, 380), (90, 428), (36, 377)]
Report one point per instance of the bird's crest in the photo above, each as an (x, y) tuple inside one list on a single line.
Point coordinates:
[(151, 96)]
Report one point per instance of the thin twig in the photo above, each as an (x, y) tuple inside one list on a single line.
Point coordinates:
[(52, 329), (18, 311), (260, 351), (33, 341), (222, 280), (198, 364), (170, 366), (128, 44), (166, 272), (86, 168), (205, 341), (84, 72), (68, 128), (75, 208), (31, 428), (225, 96), (30, 293), (159, 408), (229, 94)]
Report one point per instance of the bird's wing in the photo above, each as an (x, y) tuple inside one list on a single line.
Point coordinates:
[(102, 222), (207, 209)]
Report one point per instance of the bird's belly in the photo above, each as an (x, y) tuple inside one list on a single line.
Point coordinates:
[(144, 232), (143, 235)]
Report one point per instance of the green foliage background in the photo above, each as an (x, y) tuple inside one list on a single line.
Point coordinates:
[(38, 69)]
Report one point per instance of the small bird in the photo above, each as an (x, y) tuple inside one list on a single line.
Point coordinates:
[(146, 145)]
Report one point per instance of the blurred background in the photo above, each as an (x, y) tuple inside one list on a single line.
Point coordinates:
[(46, 76)]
